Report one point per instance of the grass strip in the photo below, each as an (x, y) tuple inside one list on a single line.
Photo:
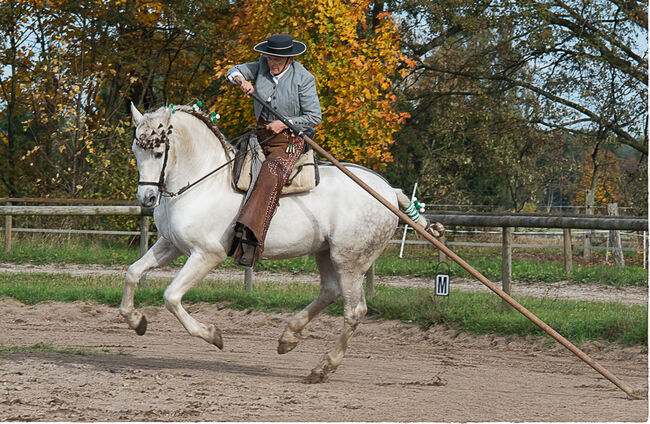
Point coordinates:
[(477, 313), (66, 350), (422, 263)]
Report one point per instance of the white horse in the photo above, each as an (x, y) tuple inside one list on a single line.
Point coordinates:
[(338, 222)]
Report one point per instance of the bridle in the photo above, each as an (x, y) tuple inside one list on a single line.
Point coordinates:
[(154, 140)]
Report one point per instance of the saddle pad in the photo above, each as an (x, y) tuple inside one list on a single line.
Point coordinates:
[(304, 175)]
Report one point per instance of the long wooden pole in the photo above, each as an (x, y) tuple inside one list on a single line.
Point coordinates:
[(634, 394)]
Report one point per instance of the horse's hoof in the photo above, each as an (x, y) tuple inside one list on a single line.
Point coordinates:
[(142, 327), (315, 378), (284, 347), (215, 337)]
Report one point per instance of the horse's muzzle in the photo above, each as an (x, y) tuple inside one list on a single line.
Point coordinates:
[(147, 196)]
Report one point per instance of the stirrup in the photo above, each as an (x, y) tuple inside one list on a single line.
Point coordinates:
[(245, 248), (246, 253)]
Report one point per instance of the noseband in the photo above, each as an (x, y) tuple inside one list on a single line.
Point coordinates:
[(154, 140)]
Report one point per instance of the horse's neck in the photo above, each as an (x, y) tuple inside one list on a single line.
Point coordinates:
[(197, 151)]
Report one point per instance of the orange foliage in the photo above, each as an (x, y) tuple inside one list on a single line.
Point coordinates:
[(352, 71), (606, 186)]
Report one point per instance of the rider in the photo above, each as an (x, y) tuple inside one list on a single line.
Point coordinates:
[(290, 89)]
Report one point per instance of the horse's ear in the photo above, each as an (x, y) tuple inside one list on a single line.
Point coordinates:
[(168, 116), (136, 115)]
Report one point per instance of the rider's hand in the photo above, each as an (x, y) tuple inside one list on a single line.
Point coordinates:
[(276, 127), (245, 86)]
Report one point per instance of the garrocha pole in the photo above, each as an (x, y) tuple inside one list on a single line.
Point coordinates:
[(633, 394)]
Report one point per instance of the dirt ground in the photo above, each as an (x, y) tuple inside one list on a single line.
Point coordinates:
[(392, 372)]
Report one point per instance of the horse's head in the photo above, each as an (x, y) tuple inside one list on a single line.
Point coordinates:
[(151, 150)]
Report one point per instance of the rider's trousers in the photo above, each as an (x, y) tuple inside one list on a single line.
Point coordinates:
[(282, 151)]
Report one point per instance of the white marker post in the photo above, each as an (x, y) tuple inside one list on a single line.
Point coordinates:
[(406, 226)]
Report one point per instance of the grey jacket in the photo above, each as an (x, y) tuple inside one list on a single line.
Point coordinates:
[(294, 97)]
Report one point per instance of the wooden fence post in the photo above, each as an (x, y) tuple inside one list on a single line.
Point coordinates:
[(248, 278), (441, 256), (645, 250), (144, 245), (589, 210), (615, 237), (8, 228), (506, 264), (568, 250), (370, 281)]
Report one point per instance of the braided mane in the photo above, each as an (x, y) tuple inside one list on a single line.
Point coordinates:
[(207, 120)]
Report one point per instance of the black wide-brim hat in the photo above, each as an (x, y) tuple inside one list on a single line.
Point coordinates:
[(282, 45)]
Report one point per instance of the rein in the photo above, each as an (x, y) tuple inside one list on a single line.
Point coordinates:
[(161, 180)]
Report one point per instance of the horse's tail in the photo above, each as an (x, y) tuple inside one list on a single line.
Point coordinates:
[(435, 229)]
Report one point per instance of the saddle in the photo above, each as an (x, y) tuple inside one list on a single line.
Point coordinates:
[(250, 156)]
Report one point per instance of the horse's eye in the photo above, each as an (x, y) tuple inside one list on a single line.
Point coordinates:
[(157, 155)]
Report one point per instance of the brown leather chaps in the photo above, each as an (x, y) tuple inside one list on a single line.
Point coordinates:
[(276, 169)]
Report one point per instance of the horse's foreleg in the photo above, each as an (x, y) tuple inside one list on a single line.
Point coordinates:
[(161, 253), (329, 292), (354, 309), (196, 267)]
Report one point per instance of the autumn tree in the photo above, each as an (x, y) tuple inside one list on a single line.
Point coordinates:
[(82, 63), (588, 57), (572, 69), (352, 62), (471, 141), (17, 55)]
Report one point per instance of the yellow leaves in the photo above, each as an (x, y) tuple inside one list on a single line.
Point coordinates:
[(352, 72), (403, 117), (409, 62), (149, 13)]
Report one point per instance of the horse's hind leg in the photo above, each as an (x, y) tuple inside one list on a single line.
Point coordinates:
[(161, 253), (196, 267), (329, 291), (354, 309)]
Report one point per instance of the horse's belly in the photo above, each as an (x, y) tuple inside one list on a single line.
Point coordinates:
[(291, 236), (337, 214)]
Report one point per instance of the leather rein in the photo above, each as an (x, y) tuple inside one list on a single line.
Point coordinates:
[(152, 141)]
